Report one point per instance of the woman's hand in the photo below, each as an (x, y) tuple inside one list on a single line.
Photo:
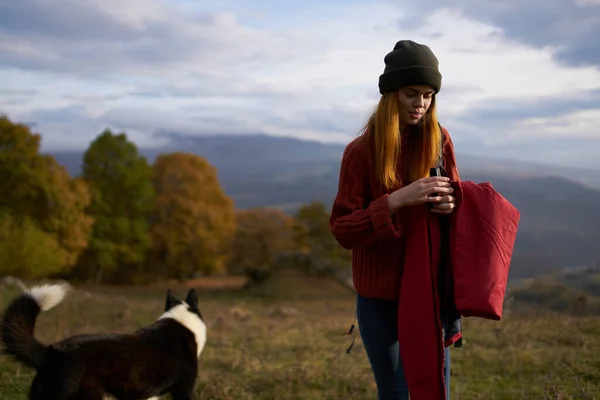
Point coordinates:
[(421, 191), (445, 205)]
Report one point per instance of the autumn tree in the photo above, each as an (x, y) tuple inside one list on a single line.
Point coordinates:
[(194, 218), (42, 208), (261, 234), (66, 200), (315, 234), (122, 202)]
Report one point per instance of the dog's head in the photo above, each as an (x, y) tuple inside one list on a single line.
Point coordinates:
[(188, 314), (191, 301)]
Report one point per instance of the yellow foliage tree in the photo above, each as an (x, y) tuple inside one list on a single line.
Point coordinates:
[(65, 216), (194, 218)]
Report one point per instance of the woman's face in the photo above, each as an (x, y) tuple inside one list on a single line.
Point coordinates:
[(414, 103)]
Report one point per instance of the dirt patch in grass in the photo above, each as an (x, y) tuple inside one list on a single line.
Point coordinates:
[(292, 283)]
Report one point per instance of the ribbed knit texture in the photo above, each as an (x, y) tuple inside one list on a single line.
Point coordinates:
[(360, 220)]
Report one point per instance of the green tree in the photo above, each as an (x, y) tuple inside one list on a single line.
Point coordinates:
[(20, 164), (38, 196), (194, 219), (315, 234), (122, 202), (26, 251)]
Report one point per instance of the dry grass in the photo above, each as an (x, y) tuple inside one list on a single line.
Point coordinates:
[(291, 347)]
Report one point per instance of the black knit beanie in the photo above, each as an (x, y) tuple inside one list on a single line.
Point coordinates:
[(409, 64)]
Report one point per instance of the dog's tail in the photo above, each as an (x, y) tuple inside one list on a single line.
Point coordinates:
[(18, 323)]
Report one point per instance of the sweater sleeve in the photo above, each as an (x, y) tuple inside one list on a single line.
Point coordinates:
[(452, 169), (450, 157), (352, 222)]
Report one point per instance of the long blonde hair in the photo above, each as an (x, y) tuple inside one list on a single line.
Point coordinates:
[(383, 136)]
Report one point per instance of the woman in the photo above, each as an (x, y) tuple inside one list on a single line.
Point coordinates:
[(385, 193)]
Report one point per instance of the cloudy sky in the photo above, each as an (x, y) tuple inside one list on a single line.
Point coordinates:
[(518, 77)]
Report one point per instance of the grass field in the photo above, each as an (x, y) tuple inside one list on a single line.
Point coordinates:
[(285, 344)]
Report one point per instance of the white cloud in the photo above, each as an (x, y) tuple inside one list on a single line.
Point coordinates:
[(587, 3), (577, 125), (475, 54), (314, 75)]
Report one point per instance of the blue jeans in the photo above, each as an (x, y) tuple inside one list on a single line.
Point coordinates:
[(378, 325)]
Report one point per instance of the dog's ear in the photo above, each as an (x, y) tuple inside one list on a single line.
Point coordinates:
[(192, 299), (171, 300)]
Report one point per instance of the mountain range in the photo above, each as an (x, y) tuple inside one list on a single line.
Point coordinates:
[(560, 217)]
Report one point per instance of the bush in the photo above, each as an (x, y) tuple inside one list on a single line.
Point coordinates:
[(554, 296)]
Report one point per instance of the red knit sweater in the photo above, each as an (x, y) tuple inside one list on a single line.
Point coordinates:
[(360, 220)]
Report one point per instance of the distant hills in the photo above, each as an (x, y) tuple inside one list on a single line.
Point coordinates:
[(560, 225)]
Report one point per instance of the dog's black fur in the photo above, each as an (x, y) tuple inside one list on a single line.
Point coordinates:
[(155, 360)]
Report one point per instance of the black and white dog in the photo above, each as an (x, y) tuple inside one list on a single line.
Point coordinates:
[(155, 360)]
